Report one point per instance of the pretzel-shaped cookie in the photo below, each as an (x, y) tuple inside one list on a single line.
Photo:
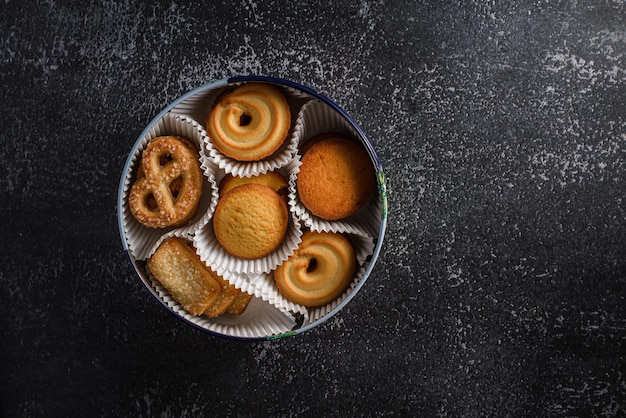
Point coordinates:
[(169, 184)]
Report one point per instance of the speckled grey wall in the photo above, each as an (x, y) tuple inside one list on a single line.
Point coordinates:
[(500, 290)]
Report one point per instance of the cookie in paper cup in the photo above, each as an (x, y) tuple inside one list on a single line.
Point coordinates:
[(221, 261), (364, 222), (143, 240), (313, 275), (336, 179), (249, 166), (187, 232), (259, 321)]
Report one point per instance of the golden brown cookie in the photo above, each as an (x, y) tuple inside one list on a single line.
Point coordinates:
[(319, 271), (249, 123), (168, 187), (240, 303), (226, 297), (336, 178), (314, 140), (179, 269), (272, 179), (250, 221)]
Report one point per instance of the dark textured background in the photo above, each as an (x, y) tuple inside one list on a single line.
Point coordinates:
[(500, 290)]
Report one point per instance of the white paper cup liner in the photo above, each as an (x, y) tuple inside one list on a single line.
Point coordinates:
[(362, 223), (259, 320), (197, 106), (285, 171), (318, 117), (142, 240), (280, 158), (263, 286)]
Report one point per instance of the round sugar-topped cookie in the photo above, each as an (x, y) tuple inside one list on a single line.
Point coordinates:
[(250, 221)]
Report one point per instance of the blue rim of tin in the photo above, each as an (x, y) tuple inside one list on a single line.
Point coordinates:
[(382, 190)]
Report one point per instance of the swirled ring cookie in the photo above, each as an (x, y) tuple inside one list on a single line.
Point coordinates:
[(250, 123), (319, 271)]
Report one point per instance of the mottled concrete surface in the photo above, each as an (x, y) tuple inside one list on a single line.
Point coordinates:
[(501, 287)]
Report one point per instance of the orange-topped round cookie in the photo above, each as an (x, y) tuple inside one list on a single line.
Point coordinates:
[(336, 177)]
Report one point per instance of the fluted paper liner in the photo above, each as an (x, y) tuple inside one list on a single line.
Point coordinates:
[(142, 240), (278, 159), (263, 286), (259, 320)]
